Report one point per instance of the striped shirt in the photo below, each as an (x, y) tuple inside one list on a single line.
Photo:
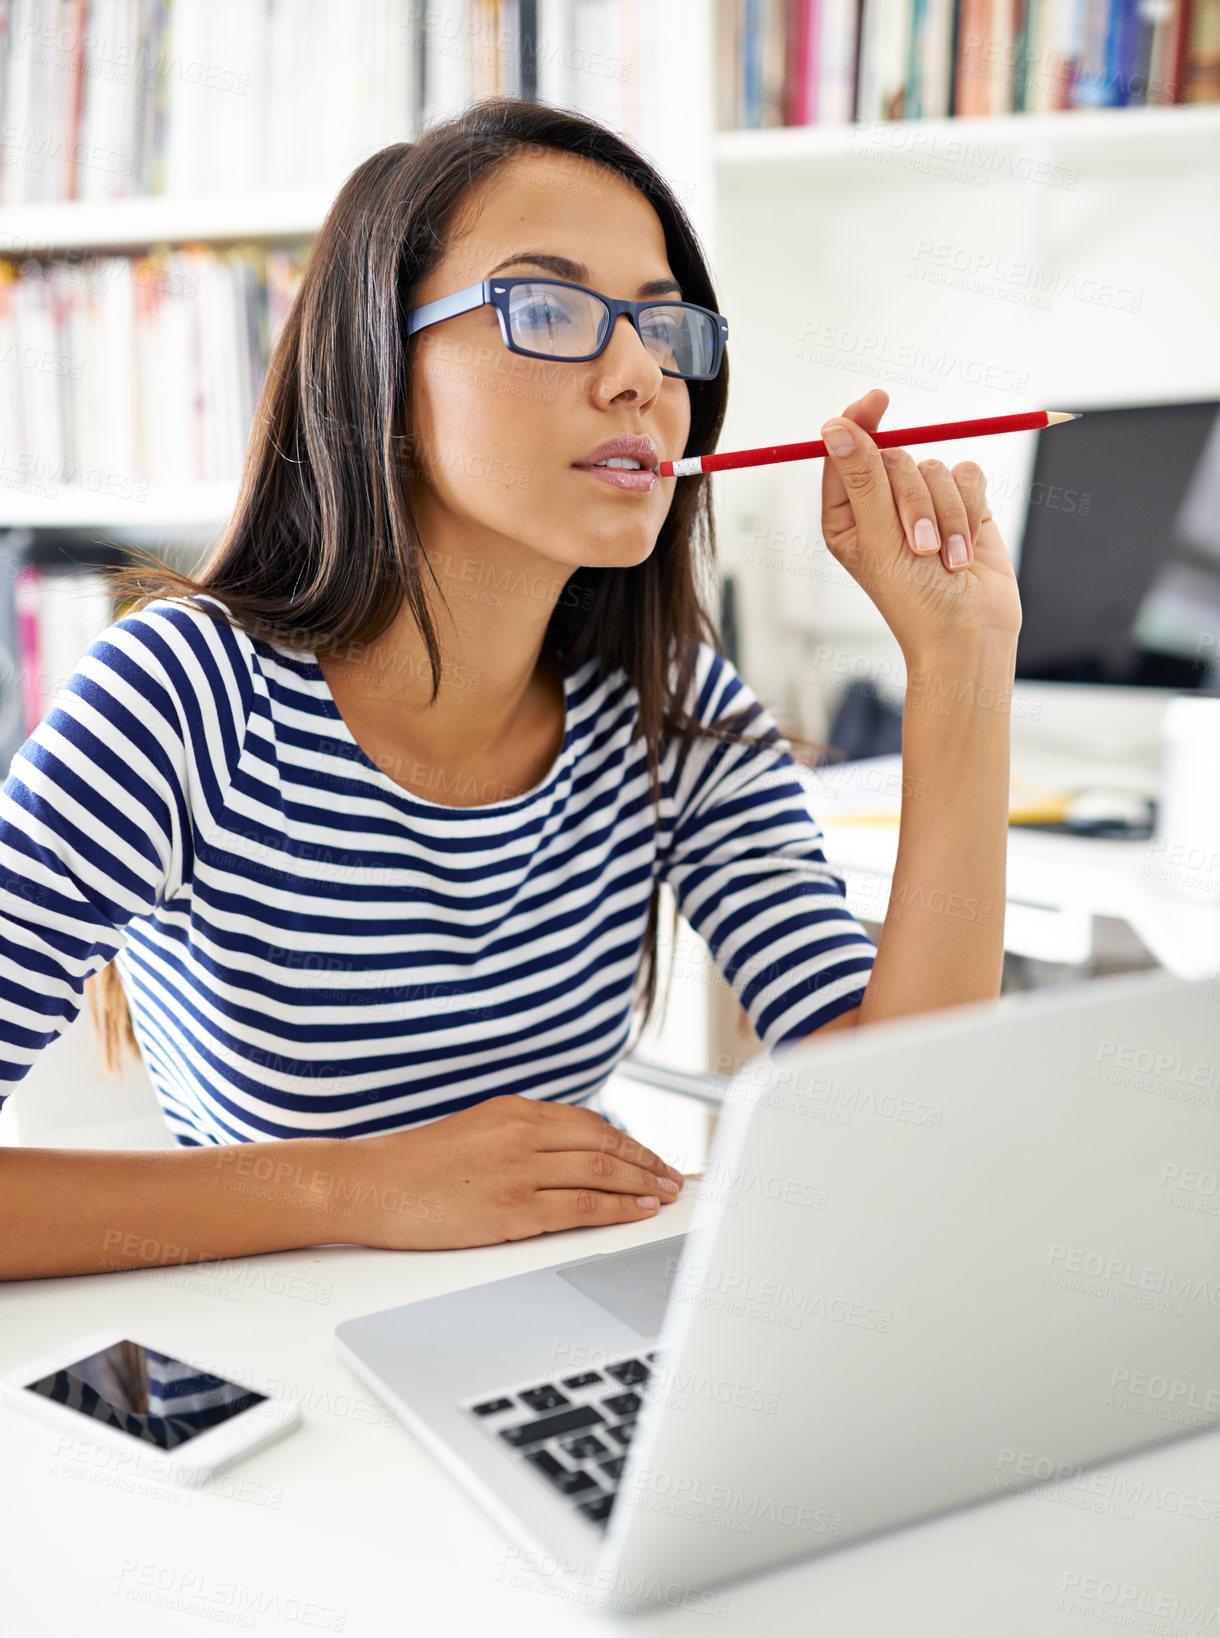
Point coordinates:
[(309, 949)]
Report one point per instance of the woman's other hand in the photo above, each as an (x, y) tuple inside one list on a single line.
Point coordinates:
[(506, 1169)]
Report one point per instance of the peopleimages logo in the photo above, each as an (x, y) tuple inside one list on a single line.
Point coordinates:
[(773, 1301), (1126, 1603), (770, 1084), (736, 1509), (1165, 1065), (1126, 1278), (1096, 1490), (1165, 1390), (723, 1182), (677, 1388), (1189, 1189)]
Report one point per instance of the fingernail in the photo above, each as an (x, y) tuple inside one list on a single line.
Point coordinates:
[(956, 548), (837, 438), (668, 1184), (648, 1201), (926, 539)]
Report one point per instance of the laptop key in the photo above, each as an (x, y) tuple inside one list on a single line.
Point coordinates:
[(549, 1427), (546, 1463), (588, 1444), (614, 1467), (573, 1484), (583, 1379), (546, 1397), (491, 1406), (622, 1433), (623, 1404), (628, 1371), (597, 1509)]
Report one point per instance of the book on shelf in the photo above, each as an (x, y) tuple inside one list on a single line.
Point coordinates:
[(111, 99), (149, 367), (54, 603), (934, 59), (59, 613)]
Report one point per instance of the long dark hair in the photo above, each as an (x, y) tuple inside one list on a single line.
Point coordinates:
[(330, 454)]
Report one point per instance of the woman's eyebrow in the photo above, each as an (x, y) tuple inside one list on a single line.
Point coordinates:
[(579, 273)]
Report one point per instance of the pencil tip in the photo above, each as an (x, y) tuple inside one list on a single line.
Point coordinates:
[(1053, 417)]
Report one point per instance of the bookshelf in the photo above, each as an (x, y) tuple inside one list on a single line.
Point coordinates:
[(714, 170), (778, 208), (1124, 133), (80, 225), (188, 507)]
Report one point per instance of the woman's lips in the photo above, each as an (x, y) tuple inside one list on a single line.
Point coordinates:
[(641, 483)]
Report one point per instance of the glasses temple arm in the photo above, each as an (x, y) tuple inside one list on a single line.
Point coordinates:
[(461, 301)]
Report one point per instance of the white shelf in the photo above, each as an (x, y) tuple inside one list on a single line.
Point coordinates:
[(127, 224), (1125, 128), (59, 506)]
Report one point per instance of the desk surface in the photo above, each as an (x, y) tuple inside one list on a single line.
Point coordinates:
[(348, 1525), (1061, 875), (1056, 883)]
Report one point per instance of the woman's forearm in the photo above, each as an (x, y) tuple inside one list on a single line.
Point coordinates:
[(942, 942), (91, 1211)]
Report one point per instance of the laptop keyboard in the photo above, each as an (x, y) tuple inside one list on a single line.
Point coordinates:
[(573, 1430)]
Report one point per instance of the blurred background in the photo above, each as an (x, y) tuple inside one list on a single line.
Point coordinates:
[(982, 206)]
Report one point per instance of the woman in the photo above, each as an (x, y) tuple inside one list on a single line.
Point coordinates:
[(374, 826)]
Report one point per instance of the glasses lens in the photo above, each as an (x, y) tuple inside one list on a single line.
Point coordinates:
[(679, 338), (555, 320), (559, 322)]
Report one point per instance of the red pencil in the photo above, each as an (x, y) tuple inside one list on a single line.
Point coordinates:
[(1030, 421)]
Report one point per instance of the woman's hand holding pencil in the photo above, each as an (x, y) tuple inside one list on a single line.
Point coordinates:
[(918, 538), (873, 495)]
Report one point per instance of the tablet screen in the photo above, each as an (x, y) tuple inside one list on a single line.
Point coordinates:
[(154, 1397)]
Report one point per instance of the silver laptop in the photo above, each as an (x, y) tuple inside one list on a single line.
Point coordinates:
[(930, 1262)]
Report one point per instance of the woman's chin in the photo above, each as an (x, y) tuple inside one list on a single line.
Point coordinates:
[(617, 555)]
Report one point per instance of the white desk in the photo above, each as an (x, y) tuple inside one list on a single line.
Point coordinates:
[(349, 1517), (1056, 885)]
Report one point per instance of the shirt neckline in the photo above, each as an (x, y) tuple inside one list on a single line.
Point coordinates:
[(510, 804)]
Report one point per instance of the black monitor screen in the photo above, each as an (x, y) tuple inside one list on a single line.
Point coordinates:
[(1119, 569)]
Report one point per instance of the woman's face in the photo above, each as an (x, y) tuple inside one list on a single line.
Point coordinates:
[(496, 434)]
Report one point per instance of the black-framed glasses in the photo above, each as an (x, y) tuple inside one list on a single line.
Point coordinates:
[(550, 318)]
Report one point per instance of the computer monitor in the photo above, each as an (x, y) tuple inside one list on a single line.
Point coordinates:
[(1119, 565)]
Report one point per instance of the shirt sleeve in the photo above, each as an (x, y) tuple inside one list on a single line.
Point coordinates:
[(746, 865), (98, 813)]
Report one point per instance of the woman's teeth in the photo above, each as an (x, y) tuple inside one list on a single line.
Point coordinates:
[(627, 466)]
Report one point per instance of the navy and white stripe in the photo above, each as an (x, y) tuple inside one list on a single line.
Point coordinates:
[(309, 949)]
